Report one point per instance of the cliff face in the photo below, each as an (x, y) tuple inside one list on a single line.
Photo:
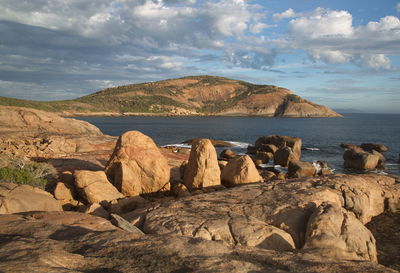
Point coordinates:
[(198, 95)]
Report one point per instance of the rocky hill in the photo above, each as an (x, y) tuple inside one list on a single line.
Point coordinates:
[(195, 95)]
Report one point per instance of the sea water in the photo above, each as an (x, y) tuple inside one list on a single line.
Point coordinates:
[(321, 136)]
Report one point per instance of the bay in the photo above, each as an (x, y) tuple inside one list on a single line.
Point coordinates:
[(321, 136)]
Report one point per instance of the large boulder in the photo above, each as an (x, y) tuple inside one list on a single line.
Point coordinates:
[(360, 160), (94, 186), (333, 231), (373, 146), (22, 198), (283, 156), (137, 165), (299, 169), (202, 169), (280, 141), (240, 170)]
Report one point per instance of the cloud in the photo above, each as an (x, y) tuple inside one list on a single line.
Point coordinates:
[(125, 39), (398, 7), (330, 36), (289, 13)]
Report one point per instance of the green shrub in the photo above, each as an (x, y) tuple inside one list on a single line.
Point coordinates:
[(293, 98), (28, 172)]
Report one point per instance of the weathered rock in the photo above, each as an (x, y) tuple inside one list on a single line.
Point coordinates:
[(268, 175), (299, 169), (286, 205), (264, 156), (360, 160), (202, 169), (64, 191), (137, 166), (281, 141), (127, 204), (120, 222), (251, 149), (95, 209), (32, 121), (227, 154), (281, 176), (374, 147), (240, 170), (230, 228), (182, 168), (222, 164), (349, 146), (179, 190), (381, 161), (94, 186), (16, 198), (386, 230), (268, 148), (284, 155), (332, 231), (74, 242)]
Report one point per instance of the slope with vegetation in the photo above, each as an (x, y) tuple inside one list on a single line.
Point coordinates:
[(195, 95)]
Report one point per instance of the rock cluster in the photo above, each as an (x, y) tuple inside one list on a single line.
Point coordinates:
[(142, 213), (367, 156)]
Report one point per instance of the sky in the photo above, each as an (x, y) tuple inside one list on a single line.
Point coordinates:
[(342, 54)]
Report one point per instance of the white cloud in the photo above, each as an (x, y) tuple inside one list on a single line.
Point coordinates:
[(323, 23), (375, 61), (289, 13), (330, 56), (330, 36)]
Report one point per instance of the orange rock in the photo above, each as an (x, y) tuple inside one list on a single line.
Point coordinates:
[(137, 165), (240, 170), (202, 169)]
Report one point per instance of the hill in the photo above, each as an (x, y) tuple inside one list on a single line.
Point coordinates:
[(195, 95)]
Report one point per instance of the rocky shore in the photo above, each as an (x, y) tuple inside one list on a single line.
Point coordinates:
[(126, 205)]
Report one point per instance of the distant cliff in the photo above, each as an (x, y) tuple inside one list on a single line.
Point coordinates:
[(196, 95)]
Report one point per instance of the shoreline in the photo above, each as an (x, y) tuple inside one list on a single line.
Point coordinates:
[(141, 114)]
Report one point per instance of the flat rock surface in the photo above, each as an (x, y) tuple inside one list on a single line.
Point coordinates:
[(285, 205), (74, 242)]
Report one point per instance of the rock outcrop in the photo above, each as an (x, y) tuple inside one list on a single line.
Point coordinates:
[(360, 160), (137, 165), (287, 206), (279, 141), (94, 186), (22, 198), (283, 156), (240, 170), (333, 231), (202, 169), (32, 121), (299, 169), (75, 242)]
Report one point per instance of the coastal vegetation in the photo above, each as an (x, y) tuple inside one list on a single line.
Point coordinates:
[(193, 95)]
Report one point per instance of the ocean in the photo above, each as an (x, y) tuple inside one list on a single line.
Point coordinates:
[(321, 136)]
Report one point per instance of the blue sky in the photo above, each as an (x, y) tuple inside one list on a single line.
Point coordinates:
[(343, 54)]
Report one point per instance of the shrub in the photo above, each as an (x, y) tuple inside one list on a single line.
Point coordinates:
[(22, 171)]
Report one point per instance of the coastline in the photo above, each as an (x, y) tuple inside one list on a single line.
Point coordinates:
[(144, 114)]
